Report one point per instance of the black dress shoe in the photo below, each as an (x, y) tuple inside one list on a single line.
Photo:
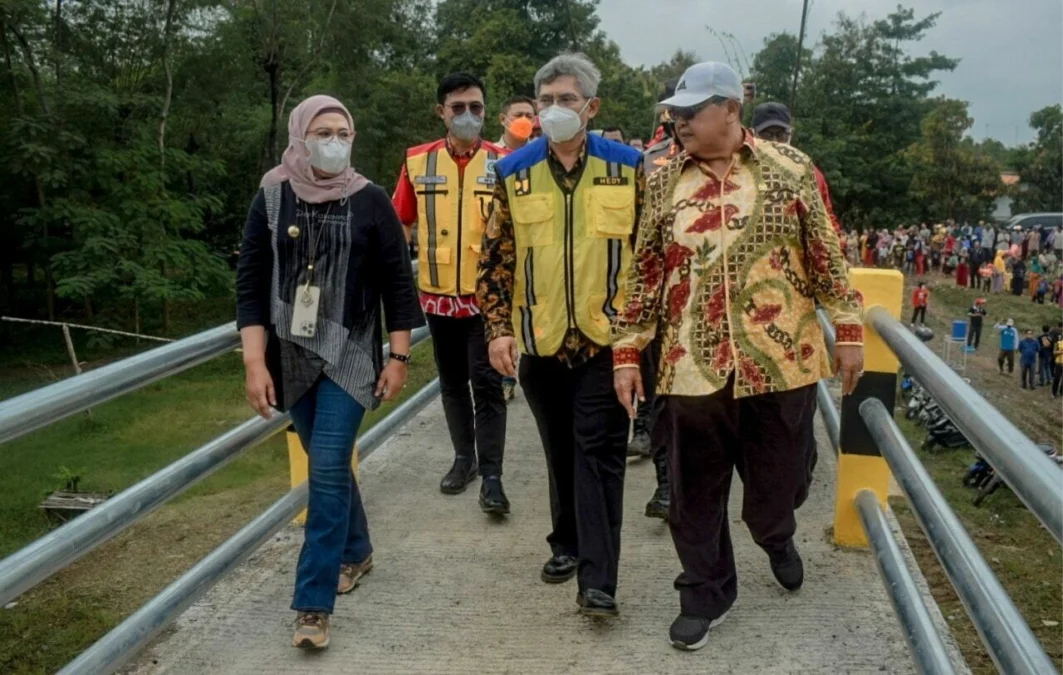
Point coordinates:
[(493, 497), (593, 602), (559, 569), (459, 476), (787, 567)]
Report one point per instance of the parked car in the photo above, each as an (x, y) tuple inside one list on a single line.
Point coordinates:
[(1029, 221)]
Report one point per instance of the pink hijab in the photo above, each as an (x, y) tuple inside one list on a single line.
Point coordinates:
[(295, 164)]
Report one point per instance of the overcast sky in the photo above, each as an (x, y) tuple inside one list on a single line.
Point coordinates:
[(1011, 53)]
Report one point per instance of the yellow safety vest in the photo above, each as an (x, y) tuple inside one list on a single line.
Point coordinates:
[(573, 250), (452, 209)]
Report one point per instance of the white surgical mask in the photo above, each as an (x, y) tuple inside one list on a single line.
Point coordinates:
[(561, 124), (466, 126), (331, 156)]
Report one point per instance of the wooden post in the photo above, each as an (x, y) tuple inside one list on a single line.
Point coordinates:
[(73, 358)]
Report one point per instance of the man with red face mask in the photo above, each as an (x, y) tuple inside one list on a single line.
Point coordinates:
[(518, 122)]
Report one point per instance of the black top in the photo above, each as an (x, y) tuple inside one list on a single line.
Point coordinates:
[(362, 261)]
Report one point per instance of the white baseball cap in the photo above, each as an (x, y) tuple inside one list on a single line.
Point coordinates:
[(703, 81)]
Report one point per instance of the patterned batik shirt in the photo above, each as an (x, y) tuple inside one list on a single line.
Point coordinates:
[(498, 261), (729, 271)]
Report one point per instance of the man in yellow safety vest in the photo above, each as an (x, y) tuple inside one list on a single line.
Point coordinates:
[(445, 189), (556, 250)]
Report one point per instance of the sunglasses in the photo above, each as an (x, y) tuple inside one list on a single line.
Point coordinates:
[(460, 108), (689, 112)]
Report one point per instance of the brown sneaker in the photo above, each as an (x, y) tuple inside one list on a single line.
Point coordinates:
[(311, 631), (351, 574)]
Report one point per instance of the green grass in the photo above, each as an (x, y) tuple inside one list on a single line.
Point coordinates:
[(1023, 555), (124, 441)]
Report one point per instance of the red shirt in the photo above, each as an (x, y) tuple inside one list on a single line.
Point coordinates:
[(920, 297), (405, 202)]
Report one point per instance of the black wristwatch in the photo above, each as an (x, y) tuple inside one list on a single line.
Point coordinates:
[(403, 358)]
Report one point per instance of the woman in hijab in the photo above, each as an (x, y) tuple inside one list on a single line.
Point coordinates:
[(998, 273), (1036, 272), (322, 250), (1018, 276)]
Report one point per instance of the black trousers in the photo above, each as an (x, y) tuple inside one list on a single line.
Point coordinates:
[(478, 422), (1029, 380), (768, 440), (584, 433), (974, 335), (1009, 356), (1057, 380), (919, 313)]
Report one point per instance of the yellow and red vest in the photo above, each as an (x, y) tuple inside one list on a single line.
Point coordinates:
[(452, 209), (573, 249)]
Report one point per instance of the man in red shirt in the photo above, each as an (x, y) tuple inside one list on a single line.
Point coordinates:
[(445, 190), (771, 121)]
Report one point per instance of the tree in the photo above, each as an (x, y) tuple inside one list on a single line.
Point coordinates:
[(1040, 165), (774, 65), (950, 177)]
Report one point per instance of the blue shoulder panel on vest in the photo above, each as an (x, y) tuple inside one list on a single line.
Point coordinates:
[(611, 151), (525, 158)]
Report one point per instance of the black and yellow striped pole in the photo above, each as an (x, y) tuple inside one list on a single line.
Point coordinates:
[(860, 464), (299, 467)]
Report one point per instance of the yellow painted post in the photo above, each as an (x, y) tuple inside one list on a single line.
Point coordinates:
[(299, 468), (860, 464)]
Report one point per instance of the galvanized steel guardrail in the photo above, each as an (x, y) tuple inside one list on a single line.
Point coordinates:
[(41, 407), (1011, 643), (1031, 475), (122, 643), (34, 563)]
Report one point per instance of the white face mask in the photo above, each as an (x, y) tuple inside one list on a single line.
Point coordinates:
[(561, 124), (331, 156)]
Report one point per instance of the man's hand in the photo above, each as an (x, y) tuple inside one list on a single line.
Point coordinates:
[(392, 380), (503, 354), (628, 383), (849, 362)]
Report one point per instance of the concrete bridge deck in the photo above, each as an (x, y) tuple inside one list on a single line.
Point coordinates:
[(456, 592)]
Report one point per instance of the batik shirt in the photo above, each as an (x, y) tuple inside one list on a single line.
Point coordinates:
[(728, 272)]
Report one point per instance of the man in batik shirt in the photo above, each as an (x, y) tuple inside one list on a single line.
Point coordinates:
[(734, 248)]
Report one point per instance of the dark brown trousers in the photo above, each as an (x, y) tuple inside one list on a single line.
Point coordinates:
[(768, 439)]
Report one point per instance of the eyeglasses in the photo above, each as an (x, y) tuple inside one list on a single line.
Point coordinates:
[(689, 112), (460, 108), (564, 100), (325, 135), (777, 134)]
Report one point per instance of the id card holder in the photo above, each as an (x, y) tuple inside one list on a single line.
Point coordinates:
[(304, 317)]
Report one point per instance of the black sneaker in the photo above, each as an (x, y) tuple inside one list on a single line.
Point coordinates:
[(559, 569), (492, 497), (787, 567), (460, 475), (593, 602), (691, 633)]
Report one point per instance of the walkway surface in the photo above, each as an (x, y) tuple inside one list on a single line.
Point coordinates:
[(456, 592)]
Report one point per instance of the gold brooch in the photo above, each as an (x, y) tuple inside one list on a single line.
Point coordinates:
[(293, 231)]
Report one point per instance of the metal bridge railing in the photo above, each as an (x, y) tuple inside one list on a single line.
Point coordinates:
[(34, 563), (870, 445)]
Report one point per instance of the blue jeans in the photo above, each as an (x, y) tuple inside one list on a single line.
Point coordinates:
[(1044, 369), (327, 420)]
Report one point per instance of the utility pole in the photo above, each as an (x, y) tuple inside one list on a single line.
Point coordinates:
[(797, 66)]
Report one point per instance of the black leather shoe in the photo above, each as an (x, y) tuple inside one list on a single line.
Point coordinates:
[(459, 476), (559, 569), (493, 497), (593, 602), (658, 504), (639, 445), (787, 567)]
